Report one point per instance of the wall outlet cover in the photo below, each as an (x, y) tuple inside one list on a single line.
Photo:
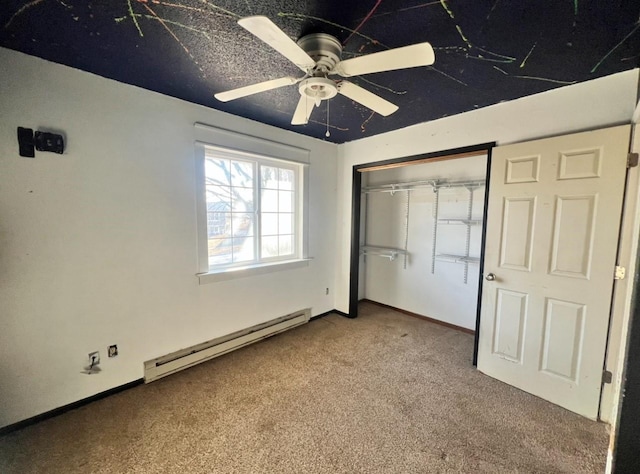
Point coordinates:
[(112, 351)]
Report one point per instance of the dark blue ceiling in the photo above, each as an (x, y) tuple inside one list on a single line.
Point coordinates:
[(487, 51)]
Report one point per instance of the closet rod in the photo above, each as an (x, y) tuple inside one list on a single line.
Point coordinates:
[(410, 185)]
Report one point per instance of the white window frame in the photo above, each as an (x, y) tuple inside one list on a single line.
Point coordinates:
[(232, 145)]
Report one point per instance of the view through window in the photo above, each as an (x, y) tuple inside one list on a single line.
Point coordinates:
[(252, 209)]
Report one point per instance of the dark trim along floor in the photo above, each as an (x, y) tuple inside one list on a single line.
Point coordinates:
[(333, 311), (60, 410), (419, 316), (85, 401)]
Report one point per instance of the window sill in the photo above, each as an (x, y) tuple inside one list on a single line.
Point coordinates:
[(253, 270)]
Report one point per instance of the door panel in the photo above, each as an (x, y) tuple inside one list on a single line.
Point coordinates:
[(523, 169), (552, 232), (563, 335), (574, 226), (580, 164), (511, 313), (517, 233)]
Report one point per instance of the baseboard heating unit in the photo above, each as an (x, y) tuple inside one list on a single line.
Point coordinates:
[(185, 358)]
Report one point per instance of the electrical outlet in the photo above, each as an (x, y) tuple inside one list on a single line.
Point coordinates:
[(112, 350), (94, 358)]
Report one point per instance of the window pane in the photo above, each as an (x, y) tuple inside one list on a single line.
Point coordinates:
[(219, 251), (285, 225), (242, 200), (217, 193), (269, 201), (286, 245), (269, 177), (269, 247), (243, 249), (286, 179), (217, 171), (218, 207), (242, 174), (286, 201), (242, 225), (218, 224), (269, 223), (235, 189)]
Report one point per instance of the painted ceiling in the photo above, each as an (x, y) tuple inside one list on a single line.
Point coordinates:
[(487, 51)]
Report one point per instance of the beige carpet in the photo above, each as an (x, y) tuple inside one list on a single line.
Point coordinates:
[(381, 393)]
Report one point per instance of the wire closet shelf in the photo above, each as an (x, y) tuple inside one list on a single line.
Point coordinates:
[(436, 185)]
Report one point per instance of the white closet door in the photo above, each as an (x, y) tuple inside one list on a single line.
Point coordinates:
[(552, 234)]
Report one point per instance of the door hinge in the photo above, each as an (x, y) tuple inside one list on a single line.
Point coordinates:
[(607, 376), (632, 160), (619, 273)]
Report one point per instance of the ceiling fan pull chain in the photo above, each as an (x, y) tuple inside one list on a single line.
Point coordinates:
[(327, 134)]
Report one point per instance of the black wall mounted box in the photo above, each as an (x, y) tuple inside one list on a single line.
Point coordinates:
[(25, 142), (49, 142)]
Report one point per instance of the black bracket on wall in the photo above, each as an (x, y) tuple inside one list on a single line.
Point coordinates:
[(41, 141), (25, 142)]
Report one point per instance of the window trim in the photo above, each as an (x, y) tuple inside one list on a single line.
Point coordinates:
[(291, 157)]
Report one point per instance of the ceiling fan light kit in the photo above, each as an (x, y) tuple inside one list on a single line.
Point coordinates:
[(319, 55), (318, 88)]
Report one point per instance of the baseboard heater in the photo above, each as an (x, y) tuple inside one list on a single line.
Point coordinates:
[(185, 358)]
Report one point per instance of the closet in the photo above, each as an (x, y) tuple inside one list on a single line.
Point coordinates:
[(421, 236)]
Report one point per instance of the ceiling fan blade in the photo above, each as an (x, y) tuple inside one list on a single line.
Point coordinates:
[(303, 110), (415, 55), (255, 88), (366, 98), (267, 31)]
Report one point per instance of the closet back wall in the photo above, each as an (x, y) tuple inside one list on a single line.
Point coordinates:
[(442, 295)]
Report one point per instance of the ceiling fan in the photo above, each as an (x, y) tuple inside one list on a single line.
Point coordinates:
[(319, 56)]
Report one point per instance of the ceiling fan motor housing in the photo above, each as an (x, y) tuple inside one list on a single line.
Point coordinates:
[(324, 49)]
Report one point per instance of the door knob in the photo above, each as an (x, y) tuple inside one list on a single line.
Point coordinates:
[(490, 277)]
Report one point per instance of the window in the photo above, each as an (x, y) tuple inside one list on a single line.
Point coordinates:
[(253, 209)]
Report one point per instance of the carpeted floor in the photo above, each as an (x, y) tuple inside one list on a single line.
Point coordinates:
[(381, 393)]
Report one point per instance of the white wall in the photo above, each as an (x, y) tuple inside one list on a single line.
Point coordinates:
[(98, 245), (594, 104), (441, 295)]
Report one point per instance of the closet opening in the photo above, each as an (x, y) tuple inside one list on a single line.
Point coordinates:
[(417, 241)]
